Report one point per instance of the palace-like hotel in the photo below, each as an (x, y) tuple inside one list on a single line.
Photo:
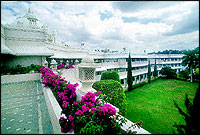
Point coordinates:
[(27, 41)]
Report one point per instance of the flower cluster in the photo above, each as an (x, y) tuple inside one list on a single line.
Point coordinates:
[(60, 66), (107, 108), (69, 66), (66, 123), (66, 92), (91, 107)]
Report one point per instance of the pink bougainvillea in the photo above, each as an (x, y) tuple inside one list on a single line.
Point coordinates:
[(77, 113), (60, 66), (69, 66)]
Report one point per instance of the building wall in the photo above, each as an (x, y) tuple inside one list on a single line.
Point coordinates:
[(17, 37), (2, 36), (21, 34), (139, 66)]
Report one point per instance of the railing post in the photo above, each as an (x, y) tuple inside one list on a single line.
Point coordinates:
[(54, 65)]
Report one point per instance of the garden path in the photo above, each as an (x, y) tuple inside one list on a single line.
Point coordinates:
[(23, 109)]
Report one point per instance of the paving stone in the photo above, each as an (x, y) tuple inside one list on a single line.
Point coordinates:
[(19, 111)]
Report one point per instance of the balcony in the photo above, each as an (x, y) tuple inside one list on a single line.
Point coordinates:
[(139, 63)]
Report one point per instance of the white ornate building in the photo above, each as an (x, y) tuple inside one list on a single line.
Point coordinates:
[(27, 41)]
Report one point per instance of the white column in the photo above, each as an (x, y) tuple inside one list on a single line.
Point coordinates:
[(139, 78)]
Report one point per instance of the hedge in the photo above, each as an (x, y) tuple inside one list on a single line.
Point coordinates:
[(114, 93), (168, 72), (19, 69), (110, 75)]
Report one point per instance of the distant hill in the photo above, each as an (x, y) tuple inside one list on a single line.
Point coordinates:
[(196, 50)]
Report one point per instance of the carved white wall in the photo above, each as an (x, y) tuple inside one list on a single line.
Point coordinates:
[(21, 34)]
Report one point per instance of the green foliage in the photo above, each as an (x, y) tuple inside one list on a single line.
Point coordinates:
[(114, 93), (167, 52), (197, 71), (91, 128), (191, 115), (196, 74), (19, 69), (191, 59), (129, 74), (184, 74), (168, 72), (110, 75)]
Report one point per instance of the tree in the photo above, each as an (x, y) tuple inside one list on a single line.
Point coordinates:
[(191, 116), (184, 74), (191, 61), (149, 72), (129, 74), (155, 73), (168, 72)]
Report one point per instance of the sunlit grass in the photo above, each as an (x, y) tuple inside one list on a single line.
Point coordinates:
[(153, 104)]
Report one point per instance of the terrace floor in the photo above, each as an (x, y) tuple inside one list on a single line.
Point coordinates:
[(23, 109)]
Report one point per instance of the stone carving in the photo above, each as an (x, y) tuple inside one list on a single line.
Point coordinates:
[(87, 72)]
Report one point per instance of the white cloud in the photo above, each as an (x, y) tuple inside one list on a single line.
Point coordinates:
[(78, 22)]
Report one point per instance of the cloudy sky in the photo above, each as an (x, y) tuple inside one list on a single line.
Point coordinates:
[(138, 26)]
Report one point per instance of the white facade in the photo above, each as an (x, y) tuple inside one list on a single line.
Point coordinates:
[(24, 41)]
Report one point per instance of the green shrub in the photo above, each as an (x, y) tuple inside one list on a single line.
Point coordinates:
[(184, 74), (114, 93), (19, 69), (197, 71), (196, 75), (110, 75), (168, 72)]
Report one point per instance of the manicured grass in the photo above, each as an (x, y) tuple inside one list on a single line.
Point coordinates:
[(153, 104)]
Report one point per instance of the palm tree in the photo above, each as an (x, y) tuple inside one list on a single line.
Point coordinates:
[(191, 61)]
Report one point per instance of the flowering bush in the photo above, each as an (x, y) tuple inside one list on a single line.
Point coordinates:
[(69, 66), (114, 93), (64, 91), (60, 66), (89, 116)]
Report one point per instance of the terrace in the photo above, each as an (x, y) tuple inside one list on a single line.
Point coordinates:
[(34, 109)]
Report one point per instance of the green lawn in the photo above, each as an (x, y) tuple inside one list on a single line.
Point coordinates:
[(153, 104)]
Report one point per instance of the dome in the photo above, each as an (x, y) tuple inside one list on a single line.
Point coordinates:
[(28, 20), (30, 15)]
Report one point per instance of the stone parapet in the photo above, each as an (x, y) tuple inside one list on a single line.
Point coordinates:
[(20, 77)]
